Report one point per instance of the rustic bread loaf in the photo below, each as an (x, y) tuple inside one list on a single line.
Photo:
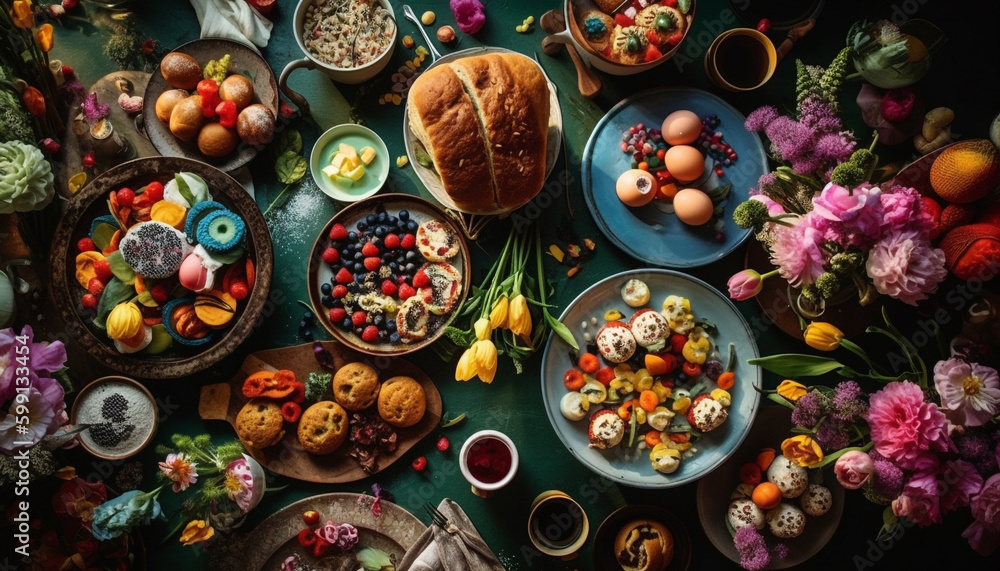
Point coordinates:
[(484, 122)]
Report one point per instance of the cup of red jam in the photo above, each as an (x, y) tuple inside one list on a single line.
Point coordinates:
[(488, 461)]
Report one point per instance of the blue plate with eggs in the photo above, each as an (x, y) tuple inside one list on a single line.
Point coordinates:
[(653, 233)]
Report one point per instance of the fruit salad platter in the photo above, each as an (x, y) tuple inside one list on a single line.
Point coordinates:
[(388, 273), (659, 393)]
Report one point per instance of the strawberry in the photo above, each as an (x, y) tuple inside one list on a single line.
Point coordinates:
[(103, 270), (154, 192), (311, 517), (391, 241), (419, 463), (339, 290), (623, 20), (125, 197), (373, 263), (160, 294), (443, 444), (671, 3), (95, 286), (344, 276), (359, 317), (369, 250), (420, 279), (89, 301), (338, 232), (406, 291), (370, 334), (408, 241), (389, 288), (86, 245), (331, 256)]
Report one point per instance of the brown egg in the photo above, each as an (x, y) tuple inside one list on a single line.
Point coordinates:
[(681, 127), (636, 187), (693, 206), (685, 162)]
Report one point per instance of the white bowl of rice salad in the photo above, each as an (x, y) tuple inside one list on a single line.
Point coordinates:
[(349, 40)]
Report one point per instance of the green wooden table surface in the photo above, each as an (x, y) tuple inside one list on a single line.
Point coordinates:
[(513, 403)]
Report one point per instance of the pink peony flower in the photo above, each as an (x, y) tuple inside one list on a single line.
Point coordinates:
[(984, 533), (959, 482), (903, 426), (905, 266), (970, 392), (897, 104), (470, 15), (860, 208), (798, 253), (854, 469), (920, 501), (902, 209)]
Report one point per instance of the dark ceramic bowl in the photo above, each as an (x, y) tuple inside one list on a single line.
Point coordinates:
[(91, 202)]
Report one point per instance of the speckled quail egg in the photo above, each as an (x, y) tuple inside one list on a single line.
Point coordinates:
[(816, 500), (786, 521), (790, 478), (745, 513)]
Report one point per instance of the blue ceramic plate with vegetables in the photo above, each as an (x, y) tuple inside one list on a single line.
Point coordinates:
[(631, 464), (653, 233)]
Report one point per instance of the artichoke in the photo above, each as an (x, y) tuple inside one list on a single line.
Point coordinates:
[(26, 179)]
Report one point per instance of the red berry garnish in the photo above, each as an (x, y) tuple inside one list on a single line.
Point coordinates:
[(391, 241), (420, 279), (103, 271), (419, 463), (764, 26), (154, 191), (89, 301), (344, 276), (125, 197), (307, 538), (339, 291), (443, 444), (86, 245), (359, 318), (89, 160), (373, 263), (369, 249), (291, 411), (95, 286), (160, 294), (311, 517), (239, 289), (408, 241), (389, 288), (331, 255), (338, 232), (337, 314), (406, 291), (370, 334)]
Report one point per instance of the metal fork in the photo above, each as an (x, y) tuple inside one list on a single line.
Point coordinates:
[(408, 12), (473, 541)]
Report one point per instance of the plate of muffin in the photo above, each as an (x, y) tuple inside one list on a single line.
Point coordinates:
[(213, 100), (321, 412), (642, 537)]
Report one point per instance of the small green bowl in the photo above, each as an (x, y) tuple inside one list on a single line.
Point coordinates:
[(358, 137)]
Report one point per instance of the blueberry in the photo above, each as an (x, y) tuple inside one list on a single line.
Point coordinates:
[(337, 302), (303, 325), (400, 226), (326, 288), (352, 236), (371, 219), (412, 226), (360, 276), (358, 256), (378, 320), (380, 231), (394, 337), (345, 254), (359, 330), (361, 226), (308, 317), (401, 260), (410, 268), (390, 325), (383, 335), (334, 268), (393, 266), (382, 217), (387, 257), (359, 268), (346, 324), (353, 287), (307, 335), (392, 221), (411, 256), (404, 215), (327, 301)]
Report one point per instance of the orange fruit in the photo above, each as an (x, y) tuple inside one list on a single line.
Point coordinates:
[(766, 495), (764, 458), (966, 171), (915, 48)]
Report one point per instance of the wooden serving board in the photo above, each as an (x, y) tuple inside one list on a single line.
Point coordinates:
[(223, 401)]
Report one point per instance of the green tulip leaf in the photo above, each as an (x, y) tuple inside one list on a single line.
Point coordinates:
[(794, 365)]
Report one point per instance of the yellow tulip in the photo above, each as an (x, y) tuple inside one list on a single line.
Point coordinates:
[(822, 336), (196, 531), (43, 35), (792, 390), (519, 319), (22, 14), (802, 450), (483, 328), (498, 315), (479, 360)]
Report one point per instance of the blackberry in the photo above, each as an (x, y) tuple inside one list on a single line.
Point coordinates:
[(114, 408), (105, 435), (404, 215)]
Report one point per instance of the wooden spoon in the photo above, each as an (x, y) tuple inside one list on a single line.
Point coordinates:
[(587, 82)]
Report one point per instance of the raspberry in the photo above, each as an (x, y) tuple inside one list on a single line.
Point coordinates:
[(95, 286), (370, 334), (420, 279), (337, 314), (331, 256), (408, 241), (125, 197), (89, 301), (103, 270), (359, 317), (154, 191), (338, 232), (443, 444), (373, 263), (238, 289), (339, 290), (391, 241), (389, 288), (160, 294), (86, 245), (369, 249), (344, 276), (406, 291)]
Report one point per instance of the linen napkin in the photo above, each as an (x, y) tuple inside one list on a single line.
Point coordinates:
[(460, 548), (233, 19)]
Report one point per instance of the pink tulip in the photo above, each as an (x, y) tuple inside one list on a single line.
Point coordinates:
[(747, 283), (853, 469)]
